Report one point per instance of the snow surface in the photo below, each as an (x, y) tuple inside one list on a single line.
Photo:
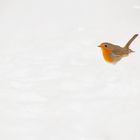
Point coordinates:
[(54, 83)]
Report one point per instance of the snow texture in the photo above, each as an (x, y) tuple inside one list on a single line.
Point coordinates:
[(54, 83)]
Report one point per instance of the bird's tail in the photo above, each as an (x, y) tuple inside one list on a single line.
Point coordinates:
[(130, 41)]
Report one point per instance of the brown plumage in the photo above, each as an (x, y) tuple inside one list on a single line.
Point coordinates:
[(113, 53)]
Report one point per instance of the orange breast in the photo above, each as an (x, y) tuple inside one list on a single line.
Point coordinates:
[(106, 55)]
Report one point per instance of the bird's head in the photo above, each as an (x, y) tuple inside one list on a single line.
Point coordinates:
[(106, 46)]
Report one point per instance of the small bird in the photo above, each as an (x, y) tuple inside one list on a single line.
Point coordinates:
[(114, 53)]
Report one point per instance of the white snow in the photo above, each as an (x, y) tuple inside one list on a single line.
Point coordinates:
[(136, 6), (54, 83)]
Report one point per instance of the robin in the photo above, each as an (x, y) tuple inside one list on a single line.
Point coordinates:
[(113, 53)]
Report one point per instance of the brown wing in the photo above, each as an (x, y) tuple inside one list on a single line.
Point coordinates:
[(118, 50)]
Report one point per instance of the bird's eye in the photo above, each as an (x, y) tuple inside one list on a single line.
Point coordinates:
[(106, 46)]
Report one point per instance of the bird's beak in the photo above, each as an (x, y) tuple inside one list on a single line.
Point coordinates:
[(99, 46)]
